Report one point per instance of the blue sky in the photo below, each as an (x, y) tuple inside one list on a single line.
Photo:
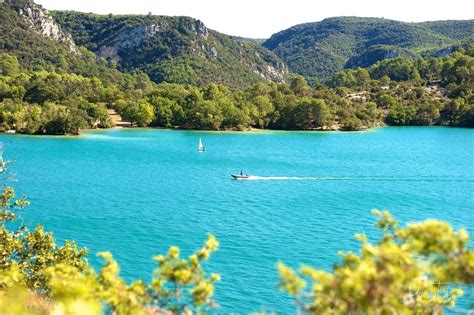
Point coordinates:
[(261, 18)]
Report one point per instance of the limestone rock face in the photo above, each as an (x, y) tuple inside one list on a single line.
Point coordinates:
[(200, 29), (129, 39), (271, 72), (133, 37), (391, 54), (445, 52), (163, 45), (44, 24)]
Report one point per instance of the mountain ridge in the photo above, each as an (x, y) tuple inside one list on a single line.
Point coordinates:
[(161, 46), (180, 49), (317, 50)]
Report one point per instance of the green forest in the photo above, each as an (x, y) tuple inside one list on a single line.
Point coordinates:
[(179, 74), (397, 91), (319, 49)]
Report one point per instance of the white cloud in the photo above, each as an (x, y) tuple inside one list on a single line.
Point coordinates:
[(261, 18)]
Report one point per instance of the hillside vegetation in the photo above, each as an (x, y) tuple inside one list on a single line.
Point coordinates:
[(173, 49), (318, 50), (51, 84), (398, 91), (38, 48), (434, 91)]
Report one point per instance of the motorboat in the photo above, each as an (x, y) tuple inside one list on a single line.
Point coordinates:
[(240, 176)]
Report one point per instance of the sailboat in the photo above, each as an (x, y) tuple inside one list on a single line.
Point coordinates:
[(3, 164), (201, 148)]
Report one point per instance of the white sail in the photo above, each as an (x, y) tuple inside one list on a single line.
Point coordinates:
[(1, 155), (201, 148), (3, 164)]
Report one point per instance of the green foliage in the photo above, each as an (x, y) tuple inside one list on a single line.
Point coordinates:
[(53, 103), (36, 53), (399, 274), (9, 65), (29, 253), (422, 92), (397, 69), (39, 277), (51, 118), (318, 50), (431, 91), (173, 49), (47, 87), (277, 106), (139, 112), (178, 279)]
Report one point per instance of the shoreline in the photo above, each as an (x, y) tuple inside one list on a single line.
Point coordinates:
[(247, 131)]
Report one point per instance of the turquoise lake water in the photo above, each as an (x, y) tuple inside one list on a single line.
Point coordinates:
[(137, 192)]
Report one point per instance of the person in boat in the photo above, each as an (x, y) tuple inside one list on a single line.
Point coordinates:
[(241, 174)]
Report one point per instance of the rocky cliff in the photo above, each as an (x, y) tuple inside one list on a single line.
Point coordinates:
[(173, 49), (41, 21)]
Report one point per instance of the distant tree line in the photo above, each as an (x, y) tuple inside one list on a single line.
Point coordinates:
[(433, 91)]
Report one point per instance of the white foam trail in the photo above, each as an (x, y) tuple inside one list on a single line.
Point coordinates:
[(274, 178), (296, 178), (349, 178)]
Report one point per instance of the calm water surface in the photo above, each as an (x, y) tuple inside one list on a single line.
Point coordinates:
[(136, 192)]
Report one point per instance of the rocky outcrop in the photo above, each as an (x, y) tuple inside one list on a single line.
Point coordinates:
[(128, 39), (269, 72), (374, 54), (43, 23), (446, 51), (269, 69), (173, 49), (200, 29), (133, 37)]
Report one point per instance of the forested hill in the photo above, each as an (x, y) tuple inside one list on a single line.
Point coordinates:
[(52, 82), (173, 49), (29, 33), (318, 50)]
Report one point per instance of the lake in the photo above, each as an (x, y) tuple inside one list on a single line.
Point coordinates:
[(135, 192)]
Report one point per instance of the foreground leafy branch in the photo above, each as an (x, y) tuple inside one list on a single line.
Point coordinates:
[(39, 277), (401, 274)]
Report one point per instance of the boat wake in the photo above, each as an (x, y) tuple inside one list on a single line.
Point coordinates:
[(275, 178), (362, 178)]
